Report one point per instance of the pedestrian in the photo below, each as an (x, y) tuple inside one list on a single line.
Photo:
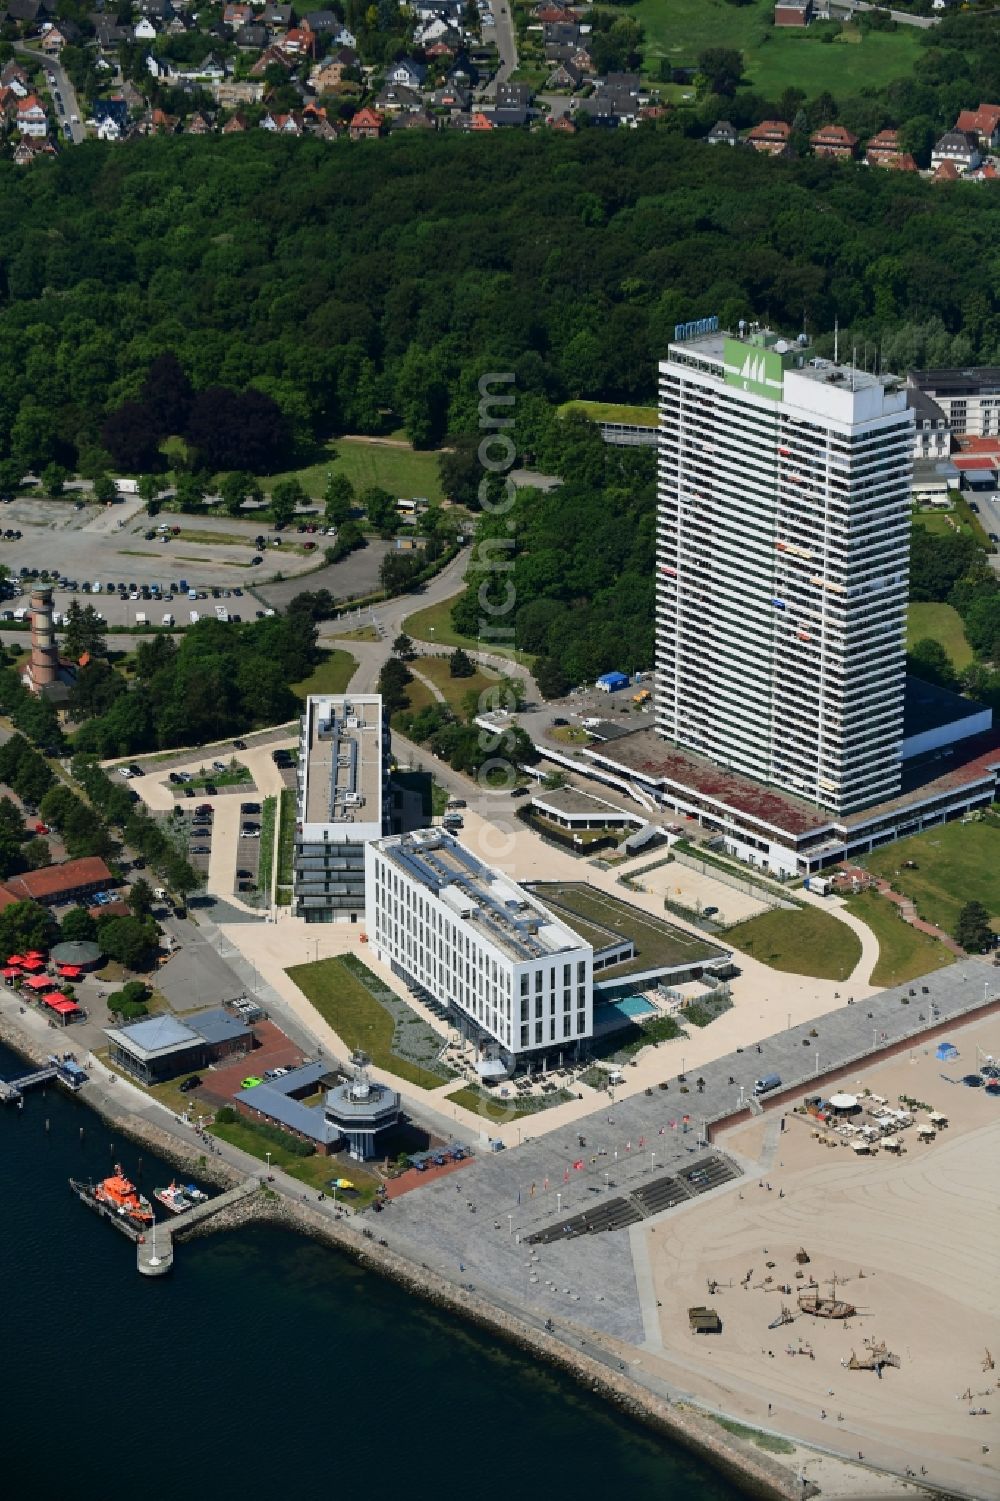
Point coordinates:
[(781, 1193), (769, 1409), (822, 1412), (860, 1455)]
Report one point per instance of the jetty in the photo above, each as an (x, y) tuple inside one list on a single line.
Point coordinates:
[(65, 1071), (155, 1248)]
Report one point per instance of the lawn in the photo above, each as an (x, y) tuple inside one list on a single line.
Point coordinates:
[(903, 952), (610, 411), (496, 1109), (235, 775), (286, 836), (955, 863), (942, 623), (331, 675), (595, 914), (455, 690), (357, 1017), (805, 941), (419, 696), (774, 59), (265, 859), (216, 539), (433, 624), (394, 466), (315, 1171)]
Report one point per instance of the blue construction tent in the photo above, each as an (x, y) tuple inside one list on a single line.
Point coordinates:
[(946, 1051), (612, 681)]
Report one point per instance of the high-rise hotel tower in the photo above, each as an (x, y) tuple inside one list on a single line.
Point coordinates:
[(782, 564)]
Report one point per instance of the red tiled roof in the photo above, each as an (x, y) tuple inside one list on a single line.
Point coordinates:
[(974, 462), (835, 135), (769, 129), (967, 443), (983, 121), (904, 163), (36, 885), (947, 172)]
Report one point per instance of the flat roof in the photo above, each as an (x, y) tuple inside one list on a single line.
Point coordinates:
[(517, 923), (847, 377), (609, 919), (928, 707), (341, 778), (574, 802), (951, 382)]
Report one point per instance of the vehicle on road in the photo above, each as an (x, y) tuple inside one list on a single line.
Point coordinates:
[(239, 744)]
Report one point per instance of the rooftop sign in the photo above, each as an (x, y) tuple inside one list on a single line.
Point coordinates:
[(753, 368), (695, 330)]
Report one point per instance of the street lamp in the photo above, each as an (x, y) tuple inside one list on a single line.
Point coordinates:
[(268, 1156)]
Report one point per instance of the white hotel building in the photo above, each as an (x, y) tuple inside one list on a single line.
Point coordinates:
[(515, 978), (782, 566)]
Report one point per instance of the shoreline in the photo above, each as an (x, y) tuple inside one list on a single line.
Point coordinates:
[(757, 1473)]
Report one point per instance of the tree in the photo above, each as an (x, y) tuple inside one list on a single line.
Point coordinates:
[(236, 489), (460, 664), (105, 490), (78, 926), (37, 854), (722, 69), (230, 430), (928, 659), (403, 647), (338, 499), (380, 508), (190, 493), (84, 633), (26, 925), (286, 497), (551, 678), (167, 395), (131, 437), (127, 939), (461, 470), (973, 930), (149, 489), (54, 479), (140, 898), (392, 681)]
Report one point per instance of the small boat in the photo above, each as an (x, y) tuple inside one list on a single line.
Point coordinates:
[(173, 1198), (195, 1194)]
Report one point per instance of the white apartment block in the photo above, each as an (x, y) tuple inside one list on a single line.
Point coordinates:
[(782, 564), (342, 802), (969, 399), (514, 977)]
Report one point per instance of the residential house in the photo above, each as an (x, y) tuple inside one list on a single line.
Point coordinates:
[(28, 150), (211, 70), (986, 173), (31, 117), (366, 125), (55, 38), (278, 16), (273, 56), (292, 124), (109, 36), (723, 133), (564, 79), (883, 149), (162, 124), (300, 41), (983, 123), (231, 94), (793, 13), (513, 116), (440, 52), (157, 68), (413, 119), (112, 113), (479, 121), (345, 38), (513, 96), (144, 30), (449, 97), (251, 38), (407, 71), (326, 76), (563, 124), (550, 14), (561, 34), (177, 26), (323, 22), (28, 12), (957, 148), (432, 32), (770, 137), (620, 83), (14, 77), (581, 58), (396, 98), (324, 129), (198, 125), (237, 14), (947, 172), (835, 141), (235, 125)]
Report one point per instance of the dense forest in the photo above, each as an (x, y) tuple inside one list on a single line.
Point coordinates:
[(359, 286)]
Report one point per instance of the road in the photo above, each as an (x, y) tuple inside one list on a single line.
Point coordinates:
[(64, 87), (503, 33)]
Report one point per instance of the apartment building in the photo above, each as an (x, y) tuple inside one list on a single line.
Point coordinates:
[(342, 803), (970, 399), (516, 979)]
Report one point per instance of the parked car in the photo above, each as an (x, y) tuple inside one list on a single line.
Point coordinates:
[(190, 1084), (249, 807), (239, 744)]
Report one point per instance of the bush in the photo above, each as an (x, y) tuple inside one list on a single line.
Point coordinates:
[(126, 1006), (226, 1116), (279, 1138)]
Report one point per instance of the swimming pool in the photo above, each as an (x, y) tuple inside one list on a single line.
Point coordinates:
[(631, 1007)]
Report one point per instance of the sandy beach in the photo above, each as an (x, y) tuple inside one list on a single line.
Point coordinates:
[(912, 1242)]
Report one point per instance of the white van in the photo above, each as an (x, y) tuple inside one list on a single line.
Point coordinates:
[(195, 617), (168, 620)]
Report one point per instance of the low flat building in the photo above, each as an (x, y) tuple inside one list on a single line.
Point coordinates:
[(793, 13), (161, 1047), (515, 979), (280, 1102), (342, 803), (579, 812)]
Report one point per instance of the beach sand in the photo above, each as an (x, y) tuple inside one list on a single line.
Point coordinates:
[(922, 1228)]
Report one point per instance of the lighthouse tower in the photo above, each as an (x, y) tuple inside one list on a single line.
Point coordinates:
[(44, 668)]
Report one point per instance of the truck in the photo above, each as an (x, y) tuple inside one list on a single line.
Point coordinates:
[(140, 618), (194, 616), (160, 893), (822, 885), (168, 619), (766, 1084), (127, 486)]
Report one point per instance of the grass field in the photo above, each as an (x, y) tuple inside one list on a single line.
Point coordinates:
[(955, 863), (903, 952), (455, 690), (804, 942), (942, 623), (433, 624), (592, 913), (331, 675), (403, 471), (609, 411), (265, 858), (316, 1171), (774, 59), (357, 1018), (286, 836)]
